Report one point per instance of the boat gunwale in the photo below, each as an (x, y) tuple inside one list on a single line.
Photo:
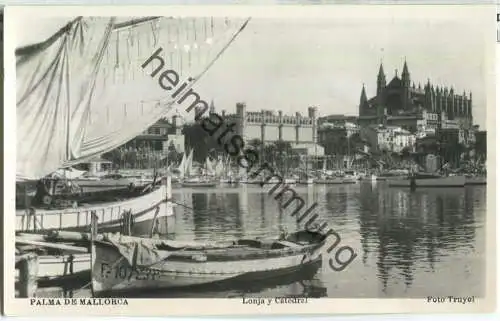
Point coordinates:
[(212, 256), (214, 252), (79, 209)]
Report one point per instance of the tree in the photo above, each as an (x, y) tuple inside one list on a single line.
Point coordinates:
[(172, 153)]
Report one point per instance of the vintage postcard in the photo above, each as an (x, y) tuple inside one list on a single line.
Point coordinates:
[(249, 160)]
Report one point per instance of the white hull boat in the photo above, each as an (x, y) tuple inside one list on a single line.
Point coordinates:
[(168, 266), (62, 267), (143, 208), (308, 181), (442, 182), (335, 180)]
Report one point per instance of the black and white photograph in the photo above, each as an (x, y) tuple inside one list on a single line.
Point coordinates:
[(268, 159)]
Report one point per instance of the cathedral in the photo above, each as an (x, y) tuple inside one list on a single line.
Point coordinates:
[(401, 97)]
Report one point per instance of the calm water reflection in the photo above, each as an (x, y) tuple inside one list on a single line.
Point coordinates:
[(409, 244)]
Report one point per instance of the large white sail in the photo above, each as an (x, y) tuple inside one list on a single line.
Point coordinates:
[(84, 91)]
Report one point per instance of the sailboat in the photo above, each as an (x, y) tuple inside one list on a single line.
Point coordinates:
[(327, 179), (68, 113), (304, 178), (223, 171), (196, 179)]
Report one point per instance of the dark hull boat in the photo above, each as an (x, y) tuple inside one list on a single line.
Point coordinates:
[(121, 263)]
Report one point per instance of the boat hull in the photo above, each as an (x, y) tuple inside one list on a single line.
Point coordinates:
[(199, 184), (56, 269), (449, 181), (109, 214), (337, 180), (112, 273)]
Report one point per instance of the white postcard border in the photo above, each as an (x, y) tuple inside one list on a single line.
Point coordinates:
[(219, 307)]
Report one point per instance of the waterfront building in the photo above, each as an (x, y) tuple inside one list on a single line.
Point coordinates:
[(152, 147), (389, 138), (268, 127), (402, 103)]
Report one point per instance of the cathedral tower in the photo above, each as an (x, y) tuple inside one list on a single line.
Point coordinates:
[(363, 102), (405, 79)]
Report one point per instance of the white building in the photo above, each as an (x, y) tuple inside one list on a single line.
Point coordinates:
[(390, 138)]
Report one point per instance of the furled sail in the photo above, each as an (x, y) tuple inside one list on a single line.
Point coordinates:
[(84, 91)]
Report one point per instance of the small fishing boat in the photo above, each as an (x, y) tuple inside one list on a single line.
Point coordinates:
[(199, 182), (229, 181), (351, 177), (125, 263), (331, 180), (306, 181), (428, 180)]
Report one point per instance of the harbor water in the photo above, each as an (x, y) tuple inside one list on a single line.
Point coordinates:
[(428, 242)]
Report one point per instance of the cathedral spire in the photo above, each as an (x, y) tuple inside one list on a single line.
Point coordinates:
[(381, 73), (363, 99), (212, 107), (381, 81), (363, 102), (405, 76)]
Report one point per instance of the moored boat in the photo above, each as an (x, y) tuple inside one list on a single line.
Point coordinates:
[(144, 207), (329, 180), (428, 180), (199, 182), (162, 264), (306, 181), (61, 268)]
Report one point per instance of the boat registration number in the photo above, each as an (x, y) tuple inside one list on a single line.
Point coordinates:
[(126, 272)]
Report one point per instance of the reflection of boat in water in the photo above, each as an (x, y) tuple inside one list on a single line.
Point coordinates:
[(428, 180), (169, 265)]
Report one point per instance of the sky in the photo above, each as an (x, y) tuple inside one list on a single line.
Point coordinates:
[(290, 64)]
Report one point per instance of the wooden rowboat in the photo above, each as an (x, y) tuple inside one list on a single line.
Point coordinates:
[(143, 208), (123, 263)]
